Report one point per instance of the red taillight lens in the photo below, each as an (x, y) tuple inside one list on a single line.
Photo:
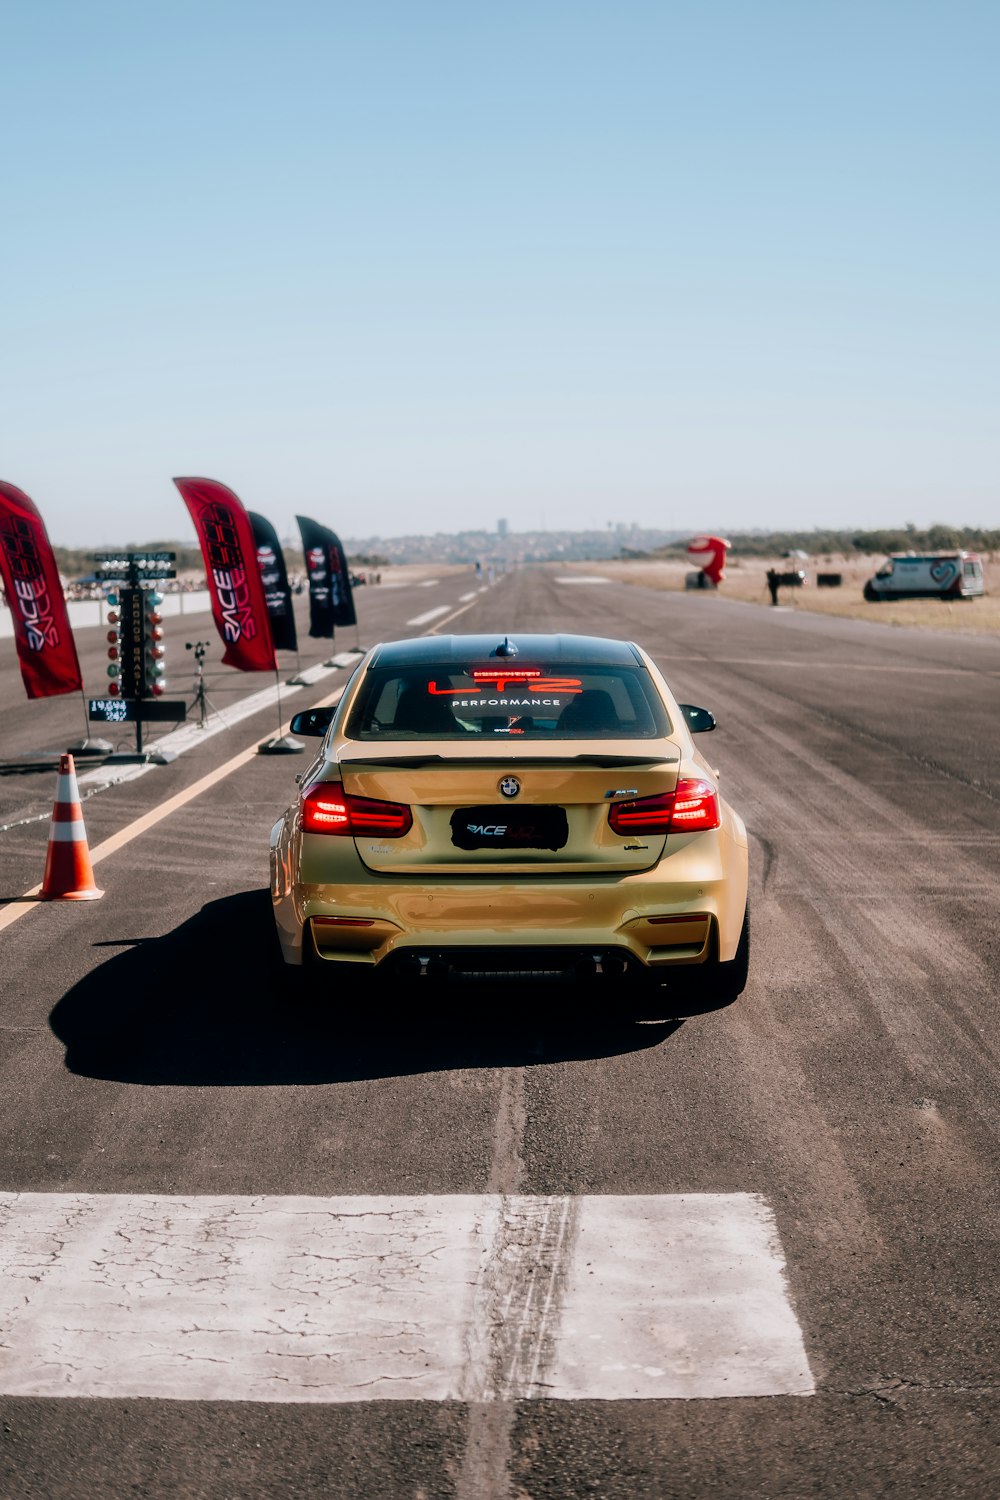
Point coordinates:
[(646, 815), (696, 807), (327, 808), (693, 807)]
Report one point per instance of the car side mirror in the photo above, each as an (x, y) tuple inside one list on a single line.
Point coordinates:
[(698, 720), (314, 721)]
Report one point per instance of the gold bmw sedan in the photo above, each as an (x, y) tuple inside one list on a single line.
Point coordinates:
[(531, 805)]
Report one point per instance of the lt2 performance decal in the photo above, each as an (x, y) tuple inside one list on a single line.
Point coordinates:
[(499, 682)]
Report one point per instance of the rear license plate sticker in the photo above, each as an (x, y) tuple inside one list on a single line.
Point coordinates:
[(509, 828)]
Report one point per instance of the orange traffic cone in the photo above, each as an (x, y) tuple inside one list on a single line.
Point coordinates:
[(69, 875)]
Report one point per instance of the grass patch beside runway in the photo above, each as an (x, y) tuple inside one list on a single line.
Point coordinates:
[(746, 581)]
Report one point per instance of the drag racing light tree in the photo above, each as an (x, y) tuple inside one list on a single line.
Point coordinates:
[(153, 664), (135, 649), (114, 647), (136, 665)]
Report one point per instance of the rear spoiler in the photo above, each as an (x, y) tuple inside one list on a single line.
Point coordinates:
[(586, 758)]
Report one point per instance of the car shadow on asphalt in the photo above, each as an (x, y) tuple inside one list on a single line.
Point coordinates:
[(212, 1003)]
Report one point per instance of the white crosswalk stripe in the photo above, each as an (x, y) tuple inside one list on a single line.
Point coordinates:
[(356, 1298), (430, 614)]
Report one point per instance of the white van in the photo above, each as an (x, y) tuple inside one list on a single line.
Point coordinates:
[(941, 575)]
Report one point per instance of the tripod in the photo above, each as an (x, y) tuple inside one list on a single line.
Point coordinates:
[(201, 701)]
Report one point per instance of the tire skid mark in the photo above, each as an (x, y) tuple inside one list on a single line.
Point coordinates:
[(516, 1305), (896, 937)]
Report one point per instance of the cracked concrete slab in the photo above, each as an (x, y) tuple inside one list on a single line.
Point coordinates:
[(476, 1298)]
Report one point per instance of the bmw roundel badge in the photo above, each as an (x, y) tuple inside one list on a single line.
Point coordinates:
[(510, 786)]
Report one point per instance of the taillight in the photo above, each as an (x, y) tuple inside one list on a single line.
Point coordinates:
[(327, 808), (647, 815), (692, 807)]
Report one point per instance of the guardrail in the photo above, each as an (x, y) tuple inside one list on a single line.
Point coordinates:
[(84, 613)]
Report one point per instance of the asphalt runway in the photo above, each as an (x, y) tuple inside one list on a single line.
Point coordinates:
[(151, 1050)]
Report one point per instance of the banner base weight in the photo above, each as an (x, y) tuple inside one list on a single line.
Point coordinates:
[(285, 744)]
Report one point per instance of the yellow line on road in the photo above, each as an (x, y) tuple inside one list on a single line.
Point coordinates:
[(18, 907), (28, 902)]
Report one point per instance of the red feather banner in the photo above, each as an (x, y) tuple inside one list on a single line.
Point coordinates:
[(239, 606), (45, 646)]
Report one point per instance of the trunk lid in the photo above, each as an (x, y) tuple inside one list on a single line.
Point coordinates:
[(555, 820)]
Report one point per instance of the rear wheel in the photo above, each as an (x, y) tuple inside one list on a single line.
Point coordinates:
[(712, 985), (320, 981), (653, 998)]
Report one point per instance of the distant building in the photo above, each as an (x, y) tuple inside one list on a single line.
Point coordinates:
[(502, 527), (465, 547)]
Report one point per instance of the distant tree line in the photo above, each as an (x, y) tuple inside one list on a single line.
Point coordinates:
[(889, 539), (77, 562)]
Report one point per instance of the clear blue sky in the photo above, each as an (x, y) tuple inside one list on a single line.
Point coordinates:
[(416, 264)]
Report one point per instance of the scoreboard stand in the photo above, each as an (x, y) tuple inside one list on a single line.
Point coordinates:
[(136, 667)]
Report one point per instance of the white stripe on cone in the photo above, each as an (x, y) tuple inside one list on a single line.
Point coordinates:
[(69, 875)]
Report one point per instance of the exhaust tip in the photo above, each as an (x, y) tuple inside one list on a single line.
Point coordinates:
[(603, 966), (424, 966)]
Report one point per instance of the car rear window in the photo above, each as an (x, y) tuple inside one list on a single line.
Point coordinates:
[(567, 701)]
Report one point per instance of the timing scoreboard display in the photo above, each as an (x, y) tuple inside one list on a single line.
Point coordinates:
[(135, 567), (134, 710)]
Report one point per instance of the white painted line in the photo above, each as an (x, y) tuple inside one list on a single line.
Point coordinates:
[(464, 598), (427, 583), (179, 741), (430, 614), (345, 658), (462, 610), (581, 578), (484, 589), (191, 735), (473, 1298), (309, 675), (26, 902)]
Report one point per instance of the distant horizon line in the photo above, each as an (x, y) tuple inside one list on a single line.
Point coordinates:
[(667, 535)]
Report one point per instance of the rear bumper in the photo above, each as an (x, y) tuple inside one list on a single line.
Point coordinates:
[(665, 916), (687, 940), (606, 961)]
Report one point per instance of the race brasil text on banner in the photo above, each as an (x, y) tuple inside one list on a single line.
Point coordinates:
[(45, 647), (239, 607)]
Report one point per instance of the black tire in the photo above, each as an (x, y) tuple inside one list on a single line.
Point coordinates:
[(713, 985), (654, 997), (318, 982)]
